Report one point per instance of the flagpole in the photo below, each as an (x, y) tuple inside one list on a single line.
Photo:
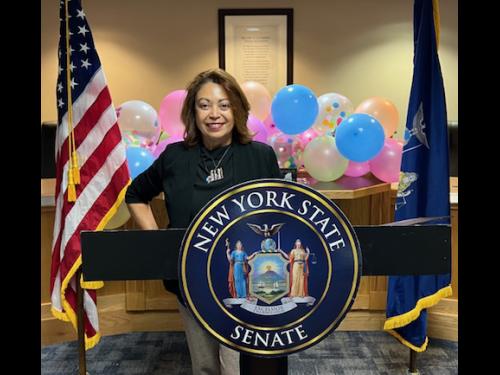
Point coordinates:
[(80, 324), (412, 367)]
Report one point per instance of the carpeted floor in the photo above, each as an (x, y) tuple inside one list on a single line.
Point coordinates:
[(342, 353)]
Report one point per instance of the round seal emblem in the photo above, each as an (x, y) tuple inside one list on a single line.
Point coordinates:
[(269, 267)]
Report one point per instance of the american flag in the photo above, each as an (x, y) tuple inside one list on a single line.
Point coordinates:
[(91, 168)]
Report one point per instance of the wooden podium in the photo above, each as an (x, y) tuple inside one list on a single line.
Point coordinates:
[(146, 255), (144, 305), (364, 200)]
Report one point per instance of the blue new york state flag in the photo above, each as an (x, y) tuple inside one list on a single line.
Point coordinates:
[(424, 179)]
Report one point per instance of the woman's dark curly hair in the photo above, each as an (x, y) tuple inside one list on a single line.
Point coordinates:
[(237, 98)]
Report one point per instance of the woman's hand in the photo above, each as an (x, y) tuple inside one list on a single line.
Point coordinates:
[(143, 215)]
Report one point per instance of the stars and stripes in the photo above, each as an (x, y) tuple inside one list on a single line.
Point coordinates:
[(91, 168)]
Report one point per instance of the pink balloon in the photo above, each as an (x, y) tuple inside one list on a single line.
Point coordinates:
[(387, 164), (307, 136), (163, 144), (270, 126), (170, 113), (256, 126), (298, 146), (355, 169)]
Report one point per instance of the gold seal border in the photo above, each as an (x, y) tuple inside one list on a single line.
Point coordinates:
[(257, 185)]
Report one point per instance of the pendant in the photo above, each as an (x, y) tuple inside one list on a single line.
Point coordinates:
[(215, 175)]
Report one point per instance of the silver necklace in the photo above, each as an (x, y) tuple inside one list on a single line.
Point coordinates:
[(217, 173)]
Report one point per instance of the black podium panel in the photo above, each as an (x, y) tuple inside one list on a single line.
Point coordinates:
[(150, 255), (133, 254), (405, 250)]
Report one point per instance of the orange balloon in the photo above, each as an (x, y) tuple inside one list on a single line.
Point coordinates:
[(259, 99), (383, 110)]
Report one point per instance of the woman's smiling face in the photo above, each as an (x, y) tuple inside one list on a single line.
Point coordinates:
[(214, 115)]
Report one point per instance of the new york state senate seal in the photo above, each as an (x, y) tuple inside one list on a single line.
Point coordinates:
[(269, 267)]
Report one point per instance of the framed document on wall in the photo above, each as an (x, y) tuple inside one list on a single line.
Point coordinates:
[(257, 45)]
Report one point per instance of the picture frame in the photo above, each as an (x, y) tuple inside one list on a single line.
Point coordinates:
[(257, 45)]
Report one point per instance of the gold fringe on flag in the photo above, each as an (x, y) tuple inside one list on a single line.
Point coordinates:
[(73, 171)]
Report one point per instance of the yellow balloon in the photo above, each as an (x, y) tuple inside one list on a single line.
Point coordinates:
[(383, 110), (323, 161), (119, 218), (259, 99)]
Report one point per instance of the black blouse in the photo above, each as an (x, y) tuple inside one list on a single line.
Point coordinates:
[(180, 174), (205, 191)]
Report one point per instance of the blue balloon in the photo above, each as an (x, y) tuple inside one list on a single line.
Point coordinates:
[(138, 159), (407, 136), (360, 137), (294, 109)]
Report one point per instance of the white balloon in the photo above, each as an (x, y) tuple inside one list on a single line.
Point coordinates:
[(333, 109), (139, 117)]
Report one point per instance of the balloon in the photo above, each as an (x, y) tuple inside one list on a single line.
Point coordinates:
[(160, 135), (120, 217), (308, 136), (387, 164), (170, 112), (322, 159), (259, 99), (282, 145), (355, 169), (257, 127), (270, 126), (298, 146), (132, 139), (333, 109), (158, 149), (139, 159), (360, 137), (407, 136), (137, 116), (294, 109), (383, 110)]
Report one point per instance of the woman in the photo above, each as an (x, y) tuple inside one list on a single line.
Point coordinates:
[(217, 153), (299, 270), (238, 271)]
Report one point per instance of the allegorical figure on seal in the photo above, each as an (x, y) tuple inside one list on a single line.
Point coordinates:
[(299, 269), (238, 270)]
